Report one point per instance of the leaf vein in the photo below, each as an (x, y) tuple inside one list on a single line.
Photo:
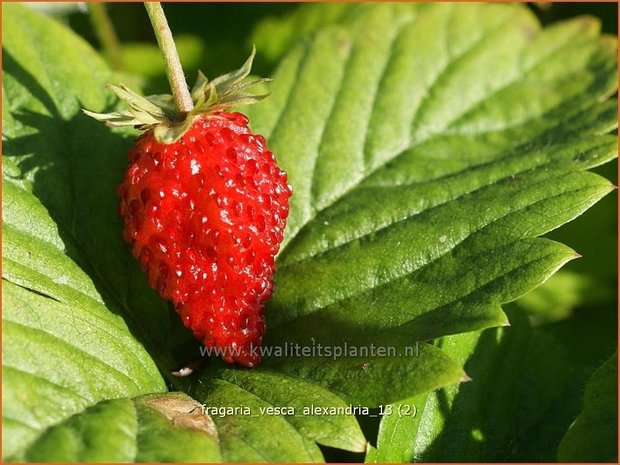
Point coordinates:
[(51, 337)]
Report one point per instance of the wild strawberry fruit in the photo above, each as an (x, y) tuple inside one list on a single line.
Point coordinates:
[(204, 207)]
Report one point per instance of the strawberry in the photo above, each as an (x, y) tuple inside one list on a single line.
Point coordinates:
[(204, 206)]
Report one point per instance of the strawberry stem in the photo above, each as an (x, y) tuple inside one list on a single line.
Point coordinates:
[(176, 77)]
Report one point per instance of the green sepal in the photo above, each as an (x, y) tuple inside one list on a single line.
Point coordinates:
[(169, 133), (159, 112), (230, 79), (135, 101), (199, 86)]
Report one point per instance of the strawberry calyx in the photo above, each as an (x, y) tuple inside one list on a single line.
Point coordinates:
[(159, 112)]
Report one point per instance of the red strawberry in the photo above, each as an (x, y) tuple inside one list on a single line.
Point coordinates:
[(204, 206)]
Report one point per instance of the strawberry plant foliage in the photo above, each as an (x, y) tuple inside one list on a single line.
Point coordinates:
[(592, 437), (476, 421), (126, 430), (428, 146), (65, 346)]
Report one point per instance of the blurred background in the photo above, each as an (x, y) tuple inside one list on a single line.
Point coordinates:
[(217, 37)]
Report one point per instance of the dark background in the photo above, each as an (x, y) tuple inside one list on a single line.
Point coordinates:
[(226, 28)]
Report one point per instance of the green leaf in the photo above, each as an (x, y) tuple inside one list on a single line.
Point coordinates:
[(72, 164), (339, 431), (593, 435), (520, 376), (599, 262), (419, 144), (174, 428), (392, 373), (273, 36), (154, 428), (63, 349), (52, 312), (248, 434), (308, 385)]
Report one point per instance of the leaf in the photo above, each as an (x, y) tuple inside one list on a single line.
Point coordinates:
[(593, 435), (519, 376), (419, 144), (242, 432), (391, 373), (588, 285), (88, 238), (307, 385), (599, 263), (73, 164), (339, 431), (183, 434), (285, 406), (155, 428), (63, 350), (273, 36), (52, 312)]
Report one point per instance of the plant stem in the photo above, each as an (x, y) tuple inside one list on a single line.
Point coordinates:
[(104, 29), (176, 77)]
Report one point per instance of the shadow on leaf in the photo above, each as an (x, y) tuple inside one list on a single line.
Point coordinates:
[(74, 165)]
